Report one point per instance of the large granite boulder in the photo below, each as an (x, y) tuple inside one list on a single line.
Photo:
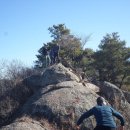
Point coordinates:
[(52, 75), (24, 126), (62, 103), (60, 98), (26, 123)]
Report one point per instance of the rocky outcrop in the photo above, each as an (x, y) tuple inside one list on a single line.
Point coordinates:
[(127, 96), (117, 99), (60, 98), (52, 75), (24, 126), (62, 103)]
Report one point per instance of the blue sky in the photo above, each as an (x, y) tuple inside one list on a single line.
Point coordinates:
[(24, 23)]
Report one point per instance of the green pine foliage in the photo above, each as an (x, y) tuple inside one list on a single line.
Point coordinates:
[(111, 60), (110, 63)]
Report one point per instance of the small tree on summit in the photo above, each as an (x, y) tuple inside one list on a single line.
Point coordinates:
[(57, 31), (70, 46)]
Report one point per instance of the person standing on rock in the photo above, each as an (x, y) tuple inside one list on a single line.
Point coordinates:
[(103, 115), (46, 53), (55, 53)]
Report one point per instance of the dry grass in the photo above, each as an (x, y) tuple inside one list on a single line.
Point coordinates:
[(11, 100)]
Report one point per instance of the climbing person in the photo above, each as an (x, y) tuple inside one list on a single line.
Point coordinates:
[(103, 115)]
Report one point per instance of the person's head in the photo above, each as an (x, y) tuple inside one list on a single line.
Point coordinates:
[(101, 101)]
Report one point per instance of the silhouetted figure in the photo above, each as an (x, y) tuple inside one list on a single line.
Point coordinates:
[(54, 54)]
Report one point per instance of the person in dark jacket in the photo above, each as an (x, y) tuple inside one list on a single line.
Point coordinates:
[(55, 53), (103, 115)]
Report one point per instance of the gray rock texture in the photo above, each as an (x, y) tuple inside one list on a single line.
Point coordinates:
[(116, 98), (60, 98), (127, 96)]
